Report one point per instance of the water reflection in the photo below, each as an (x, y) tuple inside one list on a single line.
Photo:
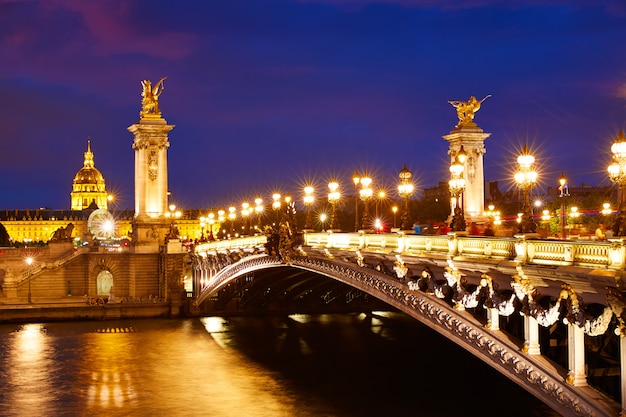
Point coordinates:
[(304, 365), (106, 370), (27, 367)]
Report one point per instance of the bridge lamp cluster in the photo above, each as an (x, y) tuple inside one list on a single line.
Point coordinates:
[(617, 172), (365, 194), (309, 198), (493, 214), (457, 187), (526, 178), (173, 213), (405, 190), (245, 214), (333, 199), (606, 209), (356, 179), (258, 209)]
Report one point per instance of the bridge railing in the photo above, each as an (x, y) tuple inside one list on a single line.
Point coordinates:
[(231, 244), (524, 248)]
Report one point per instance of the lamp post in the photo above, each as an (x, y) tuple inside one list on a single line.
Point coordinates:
[(366, 195), (221, 217), (356, 178), (29, 262), (245, 213), (617, 173), (405, 189), (258, 209), (211, 221), (545, 219), (323, 220), (232, 215), (380, 197), (526, 177), (202, 224), (457, 186), (395, 211), (333, 198), (574, 214), (173, 214), (564, 193), (308, 199), (276, 205)]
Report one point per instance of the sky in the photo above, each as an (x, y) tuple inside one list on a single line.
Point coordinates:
[(268, 95)]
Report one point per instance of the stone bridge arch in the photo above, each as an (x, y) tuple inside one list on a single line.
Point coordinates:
[(532, 372)]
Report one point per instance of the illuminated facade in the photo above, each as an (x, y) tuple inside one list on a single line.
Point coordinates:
[(89, 189)]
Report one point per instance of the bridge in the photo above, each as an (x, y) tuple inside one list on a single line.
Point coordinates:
[(547, 314)]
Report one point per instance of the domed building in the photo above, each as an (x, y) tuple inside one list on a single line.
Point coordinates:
[(89, 189)]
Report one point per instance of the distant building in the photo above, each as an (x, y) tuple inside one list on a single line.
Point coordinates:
[(89, 189)]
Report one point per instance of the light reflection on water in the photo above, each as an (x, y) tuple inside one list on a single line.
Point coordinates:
[(301, 365)]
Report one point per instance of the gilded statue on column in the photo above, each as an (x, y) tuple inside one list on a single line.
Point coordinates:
[(465, 110), (150, 97)]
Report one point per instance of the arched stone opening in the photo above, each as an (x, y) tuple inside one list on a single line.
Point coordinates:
[(104, 283)]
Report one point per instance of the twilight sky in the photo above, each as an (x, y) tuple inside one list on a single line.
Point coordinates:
[(268, 94)]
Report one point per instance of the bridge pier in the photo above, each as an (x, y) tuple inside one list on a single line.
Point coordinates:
[(576, 375), (531, 336)]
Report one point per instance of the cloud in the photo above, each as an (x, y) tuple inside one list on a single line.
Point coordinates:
[(115, 29)]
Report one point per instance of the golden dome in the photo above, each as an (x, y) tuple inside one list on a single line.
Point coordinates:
[(88, 176), (89, 187)]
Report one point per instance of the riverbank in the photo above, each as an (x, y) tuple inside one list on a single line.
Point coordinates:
[(76, 308)]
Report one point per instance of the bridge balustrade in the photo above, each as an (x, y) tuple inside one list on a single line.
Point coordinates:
[(520, 248)]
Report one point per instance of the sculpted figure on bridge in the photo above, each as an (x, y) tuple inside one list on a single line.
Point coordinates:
[(150, 97), (465, 110)]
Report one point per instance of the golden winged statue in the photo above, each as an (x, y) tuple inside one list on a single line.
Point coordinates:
[(466, 109), (150, 97)]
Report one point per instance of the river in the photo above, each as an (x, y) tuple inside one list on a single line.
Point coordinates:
[(301, 365)]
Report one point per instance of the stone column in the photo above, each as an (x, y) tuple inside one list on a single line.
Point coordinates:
[(150, 226), (576, 356), (531, 336), (493, 319), (472, 138), (150, 145)]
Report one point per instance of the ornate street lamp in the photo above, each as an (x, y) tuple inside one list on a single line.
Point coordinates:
[(457, 186), (564, 193), (221, 218), (395, 212), (309, 198), (211, 221), (617, 173), (245, 212), (366, 195), (202, 224), (232, 215), (526, 178), (276, 205), (405, 189), (258, 209), (323, 220), (380, 197), (29, 262), (333, 198), (356, 178)]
